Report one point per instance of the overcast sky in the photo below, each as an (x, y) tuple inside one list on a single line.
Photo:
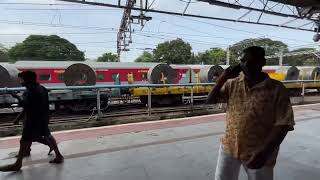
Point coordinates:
[(94, 29)]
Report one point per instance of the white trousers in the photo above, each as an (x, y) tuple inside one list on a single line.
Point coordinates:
[(228, 168)]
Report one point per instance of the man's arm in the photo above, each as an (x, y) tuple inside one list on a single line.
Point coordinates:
[(273, 141), (284, 122), (215, 93)]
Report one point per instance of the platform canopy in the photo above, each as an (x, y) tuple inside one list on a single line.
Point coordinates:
[(299, 3), (300, 9), (292, 14)]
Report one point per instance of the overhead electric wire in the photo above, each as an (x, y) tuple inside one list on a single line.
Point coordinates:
[(100, 28), (54, 25), (111, 30), (70, 33), (187, 39), (164, 37), (213, 36), (192, 29), (189, 1), (60, 9), (45, 4), (240, 30), (80, 27), (176, 13)]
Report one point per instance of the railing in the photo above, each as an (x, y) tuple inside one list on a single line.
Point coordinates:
[(149, 86), (99, 87)]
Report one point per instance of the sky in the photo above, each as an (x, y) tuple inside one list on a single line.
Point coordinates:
[(94, 29)]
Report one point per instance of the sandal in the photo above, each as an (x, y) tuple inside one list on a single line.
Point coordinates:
[(57, 160), (11, 167)]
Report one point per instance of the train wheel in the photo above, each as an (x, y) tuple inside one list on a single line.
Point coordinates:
[(144, 99), (295, 92), (57, 107), (166, 100)]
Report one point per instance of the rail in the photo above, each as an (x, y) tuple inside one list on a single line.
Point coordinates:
[(149, 86), (4, 90)]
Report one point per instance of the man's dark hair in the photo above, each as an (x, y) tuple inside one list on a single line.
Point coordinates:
[(28, 76), (257, 52)]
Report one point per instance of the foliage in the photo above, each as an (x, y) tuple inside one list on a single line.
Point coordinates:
[(195, 59), (50, 48), (213, 56), (173, 52), (108, 57), (271, 47), (145, 57), (302, 60), (3, 54)]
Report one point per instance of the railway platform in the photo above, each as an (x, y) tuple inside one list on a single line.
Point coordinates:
[(177, 149)]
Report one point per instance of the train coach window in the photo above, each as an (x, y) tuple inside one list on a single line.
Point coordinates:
[(61, 77), (144, 76), (115, 76), (131, 76), (101, 77), (44, 77)]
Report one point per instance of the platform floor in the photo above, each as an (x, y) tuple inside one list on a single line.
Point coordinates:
[(184, 149)]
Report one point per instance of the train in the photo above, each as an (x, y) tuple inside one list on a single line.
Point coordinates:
[(88, 73)]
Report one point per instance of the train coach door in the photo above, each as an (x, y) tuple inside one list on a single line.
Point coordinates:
[(117, 81), (116, 78)]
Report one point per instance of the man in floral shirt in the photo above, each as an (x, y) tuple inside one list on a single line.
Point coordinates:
[(259, 115)]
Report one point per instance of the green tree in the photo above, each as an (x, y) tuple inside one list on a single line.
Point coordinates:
[(145, 57), (50, 48), (303, 59), (195, 59), (213, 56), (108, 57), (173, 52), (271, 47), (312, 62), (3, 54)]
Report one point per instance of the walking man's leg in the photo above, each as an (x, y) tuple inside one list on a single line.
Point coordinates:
[(228, 168), (42, 140), (265, 173), (53, 145), (24, 148)]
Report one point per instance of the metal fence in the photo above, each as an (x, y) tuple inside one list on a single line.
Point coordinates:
[(149, 86)]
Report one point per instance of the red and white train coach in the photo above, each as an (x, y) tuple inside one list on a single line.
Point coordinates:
[(52, 73)]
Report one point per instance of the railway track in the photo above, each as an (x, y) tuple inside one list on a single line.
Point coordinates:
[(138, 107), (9, 116), (106, 115)]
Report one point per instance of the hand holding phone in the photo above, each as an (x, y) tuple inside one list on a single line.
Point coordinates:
[(232, 71)]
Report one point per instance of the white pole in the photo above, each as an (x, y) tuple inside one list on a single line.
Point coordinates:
[(98, 104), (228, 56), (281, 58), (149, 101)]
